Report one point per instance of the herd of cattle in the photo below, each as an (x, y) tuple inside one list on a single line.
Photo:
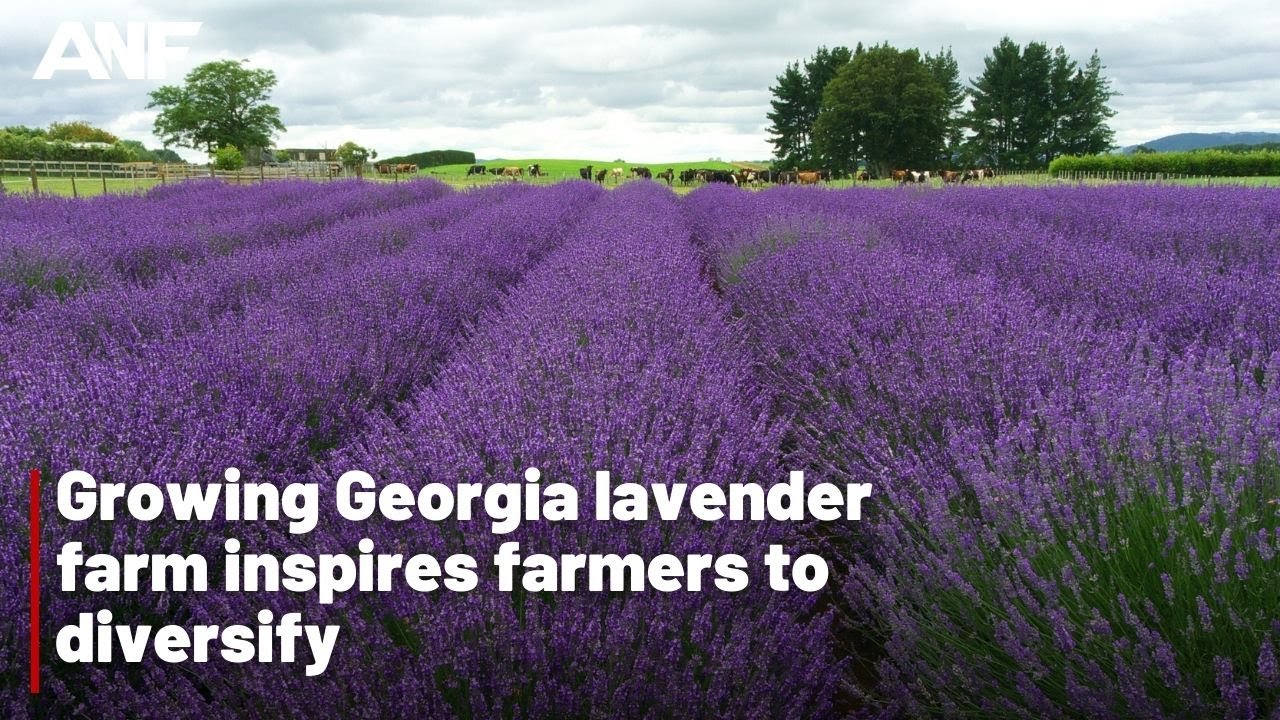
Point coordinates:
[(511, 171), (398, 169), (745, 176)]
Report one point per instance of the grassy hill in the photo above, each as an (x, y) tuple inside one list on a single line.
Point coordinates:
[(1199, 141)]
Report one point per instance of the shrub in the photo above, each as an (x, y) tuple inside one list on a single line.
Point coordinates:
[(228, 158)]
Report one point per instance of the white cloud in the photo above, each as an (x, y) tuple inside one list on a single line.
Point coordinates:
[(658, 80)]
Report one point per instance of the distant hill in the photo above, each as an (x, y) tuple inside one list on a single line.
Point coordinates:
[(431, 158), (1198, 141)]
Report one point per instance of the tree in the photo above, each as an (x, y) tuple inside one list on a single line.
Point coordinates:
[(354, 156), (80, 131), (886, 107), (1084, 128), (1031, 105), (788, 132), (946, 72), (1035, 111), (228, 157), (995, 104), (797, 102), (221, 103)]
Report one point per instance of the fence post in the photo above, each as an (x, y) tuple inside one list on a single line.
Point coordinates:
[(74, 193), (35, 184), (103, 175)]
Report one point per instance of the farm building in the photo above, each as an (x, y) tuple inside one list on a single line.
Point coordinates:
[(309, 154)]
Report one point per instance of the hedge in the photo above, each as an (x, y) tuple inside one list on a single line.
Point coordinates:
[(432, 158), (1194, 162)]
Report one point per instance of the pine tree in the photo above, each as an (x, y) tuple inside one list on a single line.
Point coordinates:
[(1091, 134), (1062, 92), (946, 72), (1035, 119), (993, 118), (797, 99), (1030, 106), (789, 128)]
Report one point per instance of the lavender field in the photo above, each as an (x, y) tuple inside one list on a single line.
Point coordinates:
[(1067, 399)]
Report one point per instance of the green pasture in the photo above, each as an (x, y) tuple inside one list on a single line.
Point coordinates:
[(84, 187), (561, 169)]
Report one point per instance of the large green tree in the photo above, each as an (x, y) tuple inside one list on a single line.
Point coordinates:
[(1083, 128), (946, 72), (1031, 105), (797, 100), (885, 107), (993, 117), (220, 104)]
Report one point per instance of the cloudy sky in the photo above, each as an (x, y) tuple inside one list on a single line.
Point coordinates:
[(650, 80)]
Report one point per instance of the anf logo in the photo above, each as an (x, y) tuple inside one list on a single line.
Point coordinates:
[(141, 53)]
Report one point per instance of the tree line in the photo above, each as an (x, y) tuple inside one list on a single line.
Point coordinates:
[(75, 141), (881, 108)]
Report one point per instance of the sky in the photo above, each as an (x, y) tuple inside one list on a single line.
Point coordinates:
[(655, 80)]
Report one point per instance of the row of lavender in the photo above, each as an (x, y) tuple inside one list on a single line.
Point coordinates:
[(1069, 416), (1068, 401), (612, 355), (265, 359), (52, 248)]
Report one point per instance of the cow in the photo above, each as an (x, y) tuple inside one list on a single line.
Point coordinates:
[(384, 169), (535, 170), (688, 176), (787, 177), (600, 176), (512, 171), (585, 173), (949, 177), (641, 172), (407, 169), (617, 174), (495, 171), (864, 176), (473, 170), (720, 176), (988, 172), (667, 175), (900, 176), (808, 177)]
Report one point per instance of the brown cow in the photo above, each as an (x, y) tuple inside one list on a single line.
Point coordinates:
[(949, 177), (900, 176), (864, 176), (407, 168), (512, 171), (808, 177)]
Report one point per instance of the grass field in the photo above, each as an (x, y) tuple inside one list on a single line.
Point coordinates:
[(558, 169)]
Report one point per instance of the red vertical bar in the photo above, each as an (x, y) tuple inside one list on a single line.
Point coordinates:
[(35, 581)]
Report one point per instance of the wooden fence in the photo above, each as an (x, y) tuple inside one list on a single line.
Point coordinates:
[(148, 174)]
